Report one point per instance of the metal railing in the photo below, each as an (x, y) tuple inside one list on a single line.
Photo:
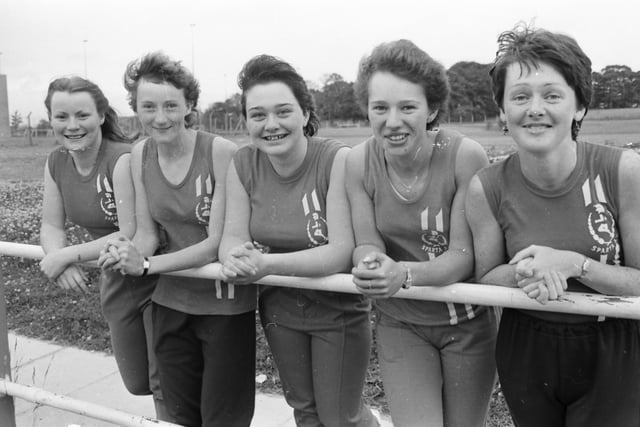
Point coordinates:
[(465, 293)]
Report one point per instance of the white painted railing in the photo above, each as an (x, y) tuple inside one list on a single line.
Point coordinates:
[(467, 293)]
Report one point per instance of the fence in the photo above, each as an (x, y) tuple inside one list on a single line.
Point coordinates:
[(465, 293)]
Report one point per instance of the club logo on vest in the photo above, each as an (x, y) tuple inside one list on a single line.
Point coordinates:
[(434, 242), (106, 199), (204, 195), (317, 230), (601, 224)]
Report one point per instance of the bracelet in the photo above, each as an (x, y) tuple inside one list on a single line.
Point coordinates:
[(408, 280), (584, 269), (145, 266)]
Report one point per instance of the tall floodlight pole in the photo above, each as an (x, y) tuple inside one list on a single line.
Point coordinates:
[(84, 45), (193, 51)]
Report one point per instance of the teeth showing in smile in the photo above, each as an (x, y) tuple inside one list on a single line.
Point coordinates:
[(74, 136), (537, 128), (274, 137), (397, 138)]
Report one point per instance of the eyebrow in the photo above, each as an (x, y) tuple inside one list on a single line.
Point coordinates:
[(259, 107)]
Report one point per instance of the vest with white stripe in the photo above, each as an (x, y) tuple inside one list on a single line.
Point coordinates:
[(582, 216), (182, 213), (417, 229)]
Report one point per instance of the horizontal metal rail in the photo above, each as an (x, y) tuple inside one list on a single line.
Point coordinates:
[(465, 293), (88, 409)]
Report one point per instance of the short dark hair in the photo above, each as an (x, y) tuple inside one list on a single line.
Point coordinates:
[(529, 47), (263, 69), (110, 128), (157, 67), (404, 59)]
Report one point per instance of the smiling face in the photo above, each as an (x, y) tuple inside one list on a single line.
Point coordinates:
[(75, 121), (539, 107), (398, 113), (275, 120), (162, 109)]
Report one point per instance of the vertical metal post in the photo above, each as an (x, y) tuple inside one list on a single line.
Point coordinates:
[(7, 410), (84, 54)]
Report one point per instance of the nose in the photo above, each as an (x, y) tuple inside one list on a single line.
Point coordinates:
[(160, 116), (393, 118), (271, 123), (536, 108), (72, 123)]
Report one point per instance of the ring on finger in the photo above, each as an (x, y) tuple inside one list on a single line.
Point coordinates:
[(369, 284)]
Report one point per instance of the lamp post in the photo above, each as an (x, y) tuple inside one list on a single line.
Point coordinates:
[(84, 49), (193, 54)]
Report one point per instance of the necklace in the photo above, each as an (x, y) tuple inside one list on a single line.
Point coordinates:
[(407, 187)]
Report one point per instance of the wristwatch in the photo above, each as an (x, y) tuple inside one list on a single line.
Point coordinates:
[(408, 280), (145, 266)]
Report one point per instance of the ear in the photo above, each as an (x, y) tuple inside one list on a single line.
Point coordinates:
[(503, 116), (307, 116), (580, 114), (432, 116), (102, 120)]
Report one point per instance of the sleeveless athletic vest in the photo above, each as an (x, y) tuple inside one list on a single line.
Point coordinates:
[(289, 214), (582, 216), (417, 229), (89, 200), (182, 213)]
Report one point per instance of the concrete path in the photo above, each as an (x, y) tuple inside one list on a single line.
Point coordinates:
[(94, 377)]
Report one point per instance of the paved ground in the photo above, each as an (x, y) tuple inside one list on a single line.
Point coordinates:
[(94, 377)]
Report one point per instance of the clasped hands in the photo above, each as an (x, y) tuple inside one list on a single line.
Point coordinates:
[(542, 272), (245, 264), (378, 276), (120, 254)]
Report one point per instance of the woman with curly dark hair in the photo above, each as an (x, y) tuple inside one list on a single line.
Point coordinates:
[(287, 213)]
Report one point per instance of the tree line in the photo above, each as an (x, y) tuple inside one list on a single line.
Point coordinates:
[(615, 86)]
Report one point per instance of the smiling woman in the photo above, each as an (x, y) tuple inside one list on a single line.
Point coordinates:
[(559, 214), (406, 186), (203, 332), (287, 213), (88, 182)]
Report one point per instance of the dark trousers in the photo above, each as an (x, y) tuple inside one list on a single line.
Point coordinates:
[(574, 375), (207, 366), (323, 368)]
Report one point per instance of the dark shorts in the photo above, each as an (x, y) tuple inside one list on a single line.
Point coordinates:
[(574, 375)]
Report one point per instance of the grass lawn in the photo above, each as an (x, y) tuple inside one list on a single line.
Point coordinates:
[(41, 310)]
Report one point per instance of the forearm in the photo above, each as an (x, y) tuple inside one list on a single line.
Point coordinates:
[(450, 267), (196, 255), (90, 250), (146, 243), (502, 275), (362, 251), (611, 279), (227, 244), (318, 261), (52, 238)]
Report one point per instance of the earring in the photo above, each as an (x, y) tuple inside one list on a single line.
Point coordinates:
[(505, 130)]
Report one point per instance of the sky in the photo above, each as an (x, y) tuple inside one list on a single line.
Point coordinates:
[(43, 39)]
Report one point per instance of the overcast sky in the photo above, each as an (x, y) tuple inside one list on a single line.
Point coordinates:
[(44, 39)]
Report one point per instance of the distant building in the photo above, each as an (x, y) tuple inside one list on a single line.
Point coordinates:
[(5, 125)]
